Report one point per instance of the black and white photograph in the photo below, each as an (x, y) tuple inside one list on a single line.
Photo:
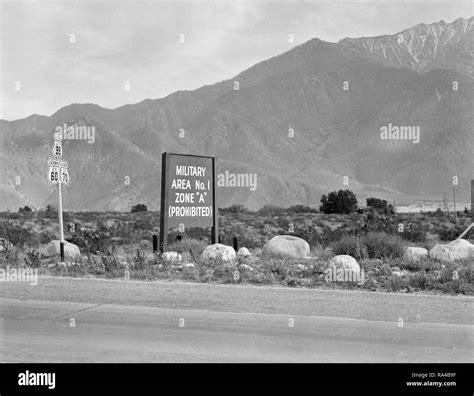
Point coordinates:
[(257, 192)]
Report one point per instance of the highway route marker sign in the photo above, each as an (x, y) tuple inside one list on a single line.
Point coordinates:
[(58, 174)]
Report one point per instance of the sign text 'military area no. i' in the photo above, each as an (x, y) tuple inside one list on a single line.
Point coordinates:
[(189, 191)]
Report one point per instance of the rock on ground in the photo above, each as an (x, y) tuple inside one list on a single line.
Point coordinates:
[(53, 248), (345, 262), (171, 256), (286, 245), (218, 251), (243, 252), (396, 271), (457, 250), (415, 253)]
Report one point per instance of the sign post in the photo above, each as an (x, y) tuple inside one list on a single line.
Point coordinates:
[(58, 174), (188, 194), (60, 212)]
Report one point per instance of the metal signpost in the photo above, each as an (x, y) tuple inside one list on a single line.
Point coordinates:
[(188, 194), (58, 174)]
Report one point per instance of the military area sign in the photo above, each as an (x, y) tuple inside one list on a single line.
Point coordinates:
[(187, 194)]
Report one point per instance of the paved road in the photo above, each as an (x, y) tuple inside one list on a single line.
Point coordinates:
[(87, 320)]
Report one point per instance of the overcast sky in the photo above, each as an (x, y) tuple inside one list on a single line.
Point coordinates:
[(139, 41)]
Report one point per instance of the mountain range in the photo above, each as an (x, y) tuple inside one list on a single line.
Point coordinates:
[(306, 122)]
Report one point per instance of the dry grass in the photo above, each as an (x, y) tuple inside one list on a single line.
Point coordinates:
[(118, 245)]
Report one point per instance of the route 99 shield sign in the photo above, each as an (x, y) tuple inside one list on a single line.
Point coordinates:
[(57, 149)]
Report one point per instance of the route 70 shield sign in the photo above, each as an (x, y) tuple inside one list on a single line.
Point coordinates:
[(64, 176)]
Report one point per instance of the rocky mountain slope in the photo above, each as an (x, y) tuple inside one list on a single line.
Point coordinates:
[(306, 122)]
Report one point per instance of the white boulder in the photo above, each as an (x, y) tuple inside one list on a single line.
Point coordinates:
[(171, 256), (286, 245), (218, 251), (396, 271), (243, 252), (53, 248), (345, 262), (415, 253), (459, 249)]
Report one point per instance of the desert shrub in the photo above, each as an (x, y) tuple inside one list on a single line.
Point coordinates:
[(350, 245), (312, 237), (12, 257), (275, 268), (410, 265), (271, 210), (301, 209), (33, 258), (196, 247), (92, 242), (67, 217), (139, 208), (416, 233), (139, 261), (342, 201), (381, 205), (236, 208), (225, 274), (375, 220), (397, 283), (145, 223), (329, 236), (111, 265), (16, 234), (249, 241), (47, 236), (51, 212), (26, 210), (374, 245), (449, 233), (381, 245), (418, 280)]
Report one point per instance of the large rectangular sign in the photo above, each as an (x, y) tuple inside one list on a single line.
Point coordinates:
[(187, 194)]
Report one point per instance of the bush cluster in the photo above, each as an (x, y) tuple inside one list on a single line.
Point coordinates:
[(374, 245)]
